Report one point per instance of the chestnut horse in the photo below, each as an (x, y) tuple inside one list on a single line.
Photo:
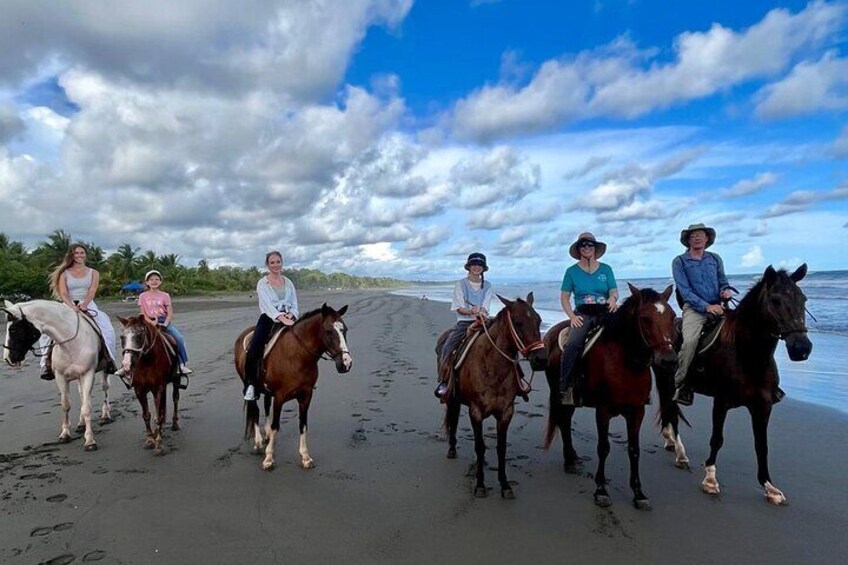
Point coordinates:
[(617, 380), (291, 371), (488, 380), (740, 369), (75, 356), (152, 365)]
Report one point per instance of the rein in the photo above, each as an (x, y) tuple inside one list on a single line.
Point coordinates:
[(144, 350), (519, 343), (43, 350), (322, 355)]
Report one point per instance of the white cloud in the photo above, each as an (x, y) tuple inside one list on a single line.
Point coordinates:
[(810, 87), (747, 187), (801, 200), (840, 146), (753, 258), (379, 251), (619, 80)]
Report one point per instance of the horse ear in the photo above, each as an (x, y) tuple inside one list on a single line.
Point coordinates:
[(504, 300), (124, 321), (667, 292), (324, 309), (342, 310), (634, 291), (769, 275), (799, 273), (530, 299), (7, 305)]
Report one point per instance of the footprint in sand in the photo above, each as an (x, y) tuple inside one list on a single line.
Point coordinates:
[(57, 498), (63, 559), (94, 556)]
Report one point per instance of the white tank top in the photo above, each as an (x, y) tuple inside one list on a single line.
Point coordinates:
[(78, 287)]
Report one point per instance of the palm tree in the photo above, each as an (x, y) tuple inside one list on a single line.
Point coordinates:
[(124, 261), (170, 260), (147, 261), (54, 249)]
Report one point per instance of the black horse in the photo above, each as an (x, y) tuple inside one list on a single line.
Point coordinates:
[(739, 370)]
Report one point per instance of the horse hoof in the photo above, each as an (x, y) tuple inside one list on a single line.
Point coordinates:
[(258, 450), (158, 451), (308, 464), (711, 489), (175, 427), (570, 468), (267, 466), (776, 499), (452, 453), (91, 447), (506, 493), (682, 465), (602, 500), (106, 421), (64, 439), (642, 504), (480, 492)]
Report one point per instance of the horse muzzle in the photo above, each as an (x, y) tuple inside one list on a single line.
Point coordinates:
[(344, 362), (538, 360), (798, 346)]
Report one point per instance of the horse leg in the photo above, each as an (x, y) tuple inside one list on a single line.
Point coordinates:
[(760, 415), (303, 411), (106, 409), (566, 413), (634, 416), (710, 483), (86, 384), (503, 428), (670, 417), (264, 441), (175, 396), (160, 398), (65, 402), (81, 422), (452, 421), (145, 416), (602, 420), (268, 462), (480, 450)]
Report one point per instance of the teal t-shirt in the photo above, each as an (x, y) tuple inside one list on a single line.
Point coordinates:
[(586, 288)]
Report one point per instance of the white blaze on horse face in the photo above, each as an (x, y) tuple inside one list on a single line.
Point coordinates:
[(660, 307), (6, 344), (134, 342), (346, 358)]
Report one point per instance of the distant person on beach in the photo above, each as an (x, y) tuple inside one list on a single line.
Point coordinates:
[(700, 280), (595, 292), (278, 305), (158, 310), (471, 298), (75, 284)]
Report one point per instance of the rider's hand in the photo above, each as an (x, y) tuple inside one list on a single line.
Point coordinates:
[(716, 309), (612, 305), (475, 310), (576, 321), (726, 294)]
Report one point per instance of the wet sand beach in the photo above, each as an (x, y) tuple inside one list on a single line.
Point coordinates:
[(382, 490)]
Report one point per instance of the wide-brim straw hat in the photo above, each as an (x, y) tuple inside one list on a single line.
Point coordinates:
[(600, 246), (151, 273), (684, 235)]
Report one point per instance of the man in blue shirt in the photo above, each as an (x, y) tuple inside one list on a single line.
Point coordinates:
[(699, 276)]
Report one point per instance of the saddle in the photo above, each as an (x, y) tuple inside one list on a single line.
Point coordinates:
[(591, 338), (276, 331), (709, 333)]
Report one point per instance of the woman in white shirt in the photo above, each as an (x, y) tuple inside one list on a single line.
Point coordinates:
[(277, 304)]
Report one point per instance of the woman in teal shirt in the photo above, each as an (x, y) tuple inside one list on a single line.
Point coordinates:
[(593, 286)]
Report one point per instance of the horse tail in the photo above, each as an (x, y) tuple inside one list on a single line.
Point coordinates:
[(251, 408), (550, 432), (669, 412)]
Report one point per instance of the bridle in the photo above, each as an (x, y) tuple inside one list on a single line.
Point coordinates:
[(42, 350), (322, 355), (783, 334), (146, 345), (525, 350)]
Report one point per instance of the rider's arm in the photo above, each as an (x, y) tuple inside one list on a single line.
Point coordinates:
[(92, 289), (291, 293), (63, 291), (487, 299), (169, 308), (723, 284), (565, 301)]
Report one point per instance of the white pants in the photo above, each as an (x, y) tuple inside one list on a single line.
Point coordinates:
[(103, 322)]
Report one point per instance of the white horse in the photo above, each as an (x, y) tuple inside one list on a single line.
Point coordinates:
[(75, 355)]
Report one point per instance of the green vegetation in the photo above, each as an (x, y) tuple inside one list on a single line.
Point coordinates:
[(25, 272)]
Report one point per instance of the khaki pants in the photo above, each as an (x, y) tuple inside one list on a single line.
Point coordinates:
[(693, 322)]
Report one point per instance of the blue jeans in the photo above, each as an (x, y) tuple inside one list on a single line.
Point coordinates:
[(573, 349), (181, 348), (454, 337)]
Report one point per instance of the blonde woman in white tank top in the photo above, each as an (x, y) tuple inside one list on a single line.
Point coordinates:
[(75, 284)]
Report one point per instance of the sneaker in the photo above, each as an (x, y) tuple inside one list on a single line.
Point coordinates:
[(777, 395), (566, 397), (683, 396), (47, 374), (184, 369), (441, 390), (250, 393)]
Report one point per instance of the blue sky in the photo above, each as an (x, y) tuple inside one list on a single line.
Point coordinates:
[(382, 137)]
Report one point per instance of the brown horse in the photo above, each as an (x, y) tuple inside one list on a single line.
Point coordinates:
[(291, 370), (617, 380), (152, 363), (488, 380), (740, 369)]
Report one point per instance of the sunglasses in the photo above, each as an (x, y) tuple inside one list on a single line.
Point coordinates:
[(586, 244)]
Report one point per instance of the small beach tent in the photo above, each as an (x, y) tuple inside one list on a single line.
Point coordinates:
[(133, 286)]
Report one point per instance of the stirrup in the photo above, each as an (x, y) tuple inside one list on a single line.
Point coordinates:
[(566, 397), (683, 396), (47, 374)]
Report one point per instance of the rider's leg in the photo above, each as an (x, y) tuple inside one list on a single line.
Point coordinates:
[(570, 356), (255, 354), (45, 345), (181, 348), (693, 322), (453, 339)]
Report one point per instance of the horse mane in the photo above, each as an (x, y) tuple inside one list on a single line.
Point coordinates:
[(747, 310), (308, 315), (619, 325)]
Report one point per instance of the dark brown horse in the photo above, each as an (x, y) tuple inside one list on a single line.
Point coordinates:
[(617, 380), (489, 380), (151, 363), (291, 370), (740, 369)]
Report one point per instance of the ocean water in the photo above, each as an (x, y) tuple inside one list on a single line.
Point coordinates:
[(823, 379)]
